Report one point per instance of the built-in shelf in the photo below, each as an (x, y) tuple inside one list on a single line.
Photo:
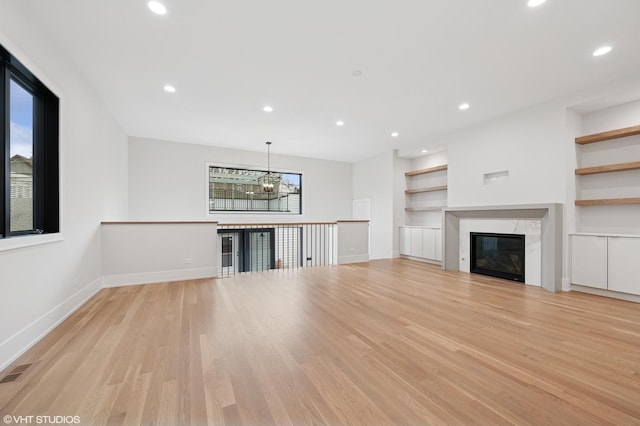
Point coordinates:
[(608, 201), (431, 189), (424, 209), (609, 168), (605, 136), (425, 171), (432, 182)]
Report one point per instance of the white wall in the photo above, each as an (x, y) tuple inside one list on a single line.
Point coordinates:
[(141, 253), (373, 179), (353, 241), (528, 144), (615, 117), (400, 216), (40, 285), (167, 181)]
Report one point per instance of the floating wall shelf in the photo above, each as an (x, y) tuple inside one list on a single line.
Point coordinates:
[(424, 209), (429, 170), (431, 189), (608, 202), (606, 136), (609, 168)]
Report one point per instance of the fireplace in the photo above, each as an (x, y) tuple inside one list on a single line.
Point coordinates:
[(498, 255)]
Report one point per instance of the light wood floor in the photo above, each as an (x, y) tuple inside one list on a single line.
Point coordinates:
[(390, 342)]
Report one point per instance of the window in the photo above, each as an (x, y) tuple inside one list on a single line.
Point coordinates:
[(29, 181), (245, 190)]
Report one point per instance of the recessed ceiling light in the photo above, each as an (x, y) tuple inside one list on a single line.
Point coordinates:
[(267, 108), (169, 88), (424, 151), (157, 7), (534, 3), (464, 106), (357, 73), (602, 51), (395, 134), (339, 123)]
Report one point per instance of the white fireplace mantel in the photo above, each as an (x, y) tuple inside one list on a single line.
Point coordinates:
[(551, 235)]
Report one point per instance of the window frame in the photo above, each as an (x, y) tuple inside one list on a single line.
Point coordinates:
[(45, 158), (213, 213)]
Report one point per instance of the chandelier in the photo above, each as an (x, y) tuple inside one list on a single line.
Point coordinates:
[(268, 182)]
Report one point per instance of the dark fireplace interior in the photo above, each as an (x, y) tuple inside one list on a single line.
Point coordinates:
[(498, 255)]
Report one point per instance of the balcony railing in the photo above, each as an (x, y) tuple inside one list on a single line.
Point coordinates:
[(259, 247), (232, 200)]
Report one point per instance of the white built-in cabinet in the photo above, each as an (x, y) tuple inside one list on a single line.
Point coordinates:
[(623, 257), (421, 242), (589, 261), (607, 262)]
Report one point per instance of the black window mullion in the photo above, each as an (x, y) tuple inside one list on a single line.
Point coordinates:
[(48, 180), (5, 192), (45, 158), (38, 116)]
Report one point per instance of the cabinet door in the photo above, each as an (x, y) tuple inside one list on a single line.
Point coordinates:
[(405, 241), (624, 255), (589, 261), (416, 242), (429, 243), (438, 237)]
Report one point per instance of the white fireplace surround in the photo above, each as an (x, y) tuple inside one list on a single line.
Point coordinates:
[(530, 228), (548, 215)]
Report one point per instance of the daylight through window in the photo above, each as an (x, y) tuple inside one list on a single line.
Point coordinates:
[(29, 172), (246, 190)]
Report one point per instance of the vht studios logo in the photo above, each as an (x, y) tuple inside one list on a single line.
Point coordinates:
[(41, 420)]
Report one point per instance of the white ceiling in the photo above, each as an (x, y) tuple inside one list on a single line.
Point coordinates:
[(419, 60)]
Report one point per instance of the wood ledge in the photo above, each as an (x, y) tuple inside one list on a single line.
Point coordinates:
[(635, 165), (161, 223), (611, 134), (608, 202), (429, 170)]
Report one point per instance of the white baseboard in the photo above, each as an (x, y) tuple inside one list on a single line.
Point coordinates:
[(566, 284), (139, 278), (421, 259), (21, 341), (606, 293), (24, 339), (355, 258)]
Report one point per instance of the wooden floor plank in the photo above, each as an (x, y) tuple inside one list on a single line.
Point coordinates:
[(384, 342)]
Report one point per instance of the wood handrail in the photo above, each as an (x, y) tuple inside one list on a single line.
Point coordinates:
[(272, 224), (193, 222)]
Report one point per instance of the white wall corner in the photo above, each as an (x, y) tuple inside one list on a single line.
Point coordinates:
[(343, 260), (20, 342), (566, 284)]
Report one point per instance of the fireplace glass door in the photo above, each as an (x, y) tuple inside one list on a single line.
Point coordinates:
[(498, 255)]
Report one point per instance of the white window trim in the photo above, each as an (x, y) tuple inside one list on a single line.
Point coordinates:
[(22, 241)]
